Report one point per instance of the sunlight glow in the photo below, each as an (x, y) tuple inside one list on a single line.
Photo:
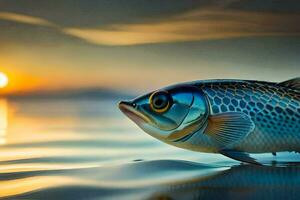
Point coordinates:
[(3, 80), (3, 120)]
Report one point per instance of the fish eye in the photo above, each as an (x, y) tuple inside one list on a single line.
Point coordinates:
[(160, 101)]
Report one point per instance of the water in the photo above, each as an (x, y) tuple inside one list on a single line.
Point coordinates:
[(86, 149)]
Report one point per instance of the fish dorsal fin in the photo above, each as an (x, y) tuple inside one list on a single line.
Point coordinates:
[(229, 128), (293, 83)]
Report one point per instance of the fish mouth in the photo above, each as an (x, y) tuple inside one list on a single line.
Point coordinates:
[(129, 109)]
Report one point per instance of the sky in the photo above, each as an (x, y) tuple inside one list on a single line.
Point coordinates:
[(138, 45)]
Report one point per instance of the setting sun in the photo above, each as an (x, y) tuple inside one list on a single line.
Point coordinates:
[(3, 80)]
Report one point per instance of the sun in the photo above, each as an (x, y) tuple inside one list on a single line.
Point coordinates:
[(3, 80)]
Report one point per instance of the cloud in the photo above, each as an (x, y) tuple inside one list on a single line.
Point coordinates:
[(26, 19), (195, 25)]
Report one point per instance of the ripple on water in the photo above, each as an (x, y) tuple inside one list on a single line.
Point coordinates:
[(87, 150), (151, 180)]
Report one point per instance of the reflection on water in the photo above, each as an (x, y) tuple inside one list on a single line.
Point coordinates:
[(3, 120), (86, 149), (158, 179)]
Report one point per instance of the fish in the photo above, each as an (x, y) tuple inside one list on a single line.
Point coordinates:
[(235, 118)]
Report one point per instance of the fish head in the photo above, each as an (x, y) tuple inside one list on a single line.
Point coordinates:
[(168, 114)]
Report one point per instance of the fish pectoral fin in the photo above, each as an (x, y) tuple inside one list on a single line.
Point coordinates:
[(240, 156), (293, 83), (229, 128)]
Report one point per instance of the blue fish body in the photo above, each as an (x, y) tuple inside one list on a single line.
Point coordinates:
[(273, 108), (231, 117)]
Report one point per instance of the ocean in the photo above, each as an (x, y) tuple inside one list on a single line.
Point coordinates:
[(85, 148)]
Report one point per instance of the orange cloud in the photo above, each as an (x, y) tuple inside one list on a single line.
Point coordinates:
[(196, 25), (193, 26), (26, 19)]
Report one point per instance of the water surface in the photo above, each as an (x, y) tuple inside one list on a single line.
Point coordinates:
[(86, 149)]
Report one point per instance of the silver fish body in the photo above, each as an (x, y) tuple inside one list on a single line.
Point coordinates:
[(273, 108), (231, 117)]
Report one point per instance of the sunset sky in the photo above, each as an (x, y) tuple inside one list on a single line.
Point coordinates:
[(138, 45)]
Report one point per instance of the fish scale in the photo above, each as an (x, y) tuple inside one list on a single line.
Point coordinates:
[(274, 109)]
